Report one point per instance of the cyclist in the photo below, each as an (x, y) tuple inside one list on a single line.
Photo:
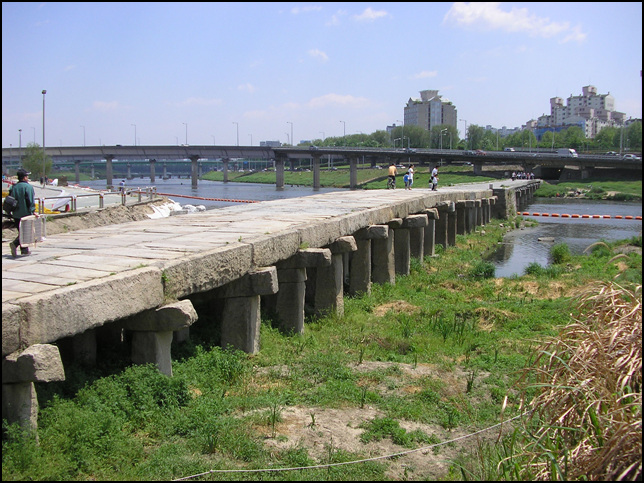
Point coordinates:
[(391, 182)]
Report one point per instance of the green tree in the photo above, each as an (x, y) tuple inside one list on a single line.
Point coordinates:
[(450, 136), (574, 137), (633, 137), (605, 139), (34, 160), (475, 136)]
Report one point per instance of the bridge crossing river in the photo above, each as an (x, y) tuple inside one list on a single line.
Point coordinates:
[(138, 280)]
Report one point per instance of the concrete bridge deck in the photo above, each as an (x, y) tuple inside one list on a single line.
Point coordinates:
[(140, 275)]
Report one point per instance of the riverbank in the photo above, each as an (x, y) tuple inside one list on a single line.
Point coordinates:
[(420, 365)]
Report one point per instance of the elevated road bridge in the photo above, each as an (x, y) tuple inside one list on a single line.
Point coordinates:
[(530, 161)]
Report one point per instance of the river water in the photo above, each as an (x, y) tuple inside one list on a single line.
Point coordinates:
[(519, 247), (522, 247)]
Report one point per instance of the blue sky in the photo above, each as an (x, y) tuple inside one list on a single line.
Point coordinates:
[(156, 69)]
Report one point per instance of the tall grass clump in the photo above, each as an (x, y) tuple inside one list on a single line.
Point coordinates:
[(560, 253), (589, 406)]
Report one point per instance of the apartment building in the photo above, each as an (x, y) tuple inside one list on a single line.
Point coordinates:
[(591, 112), (429, 111)]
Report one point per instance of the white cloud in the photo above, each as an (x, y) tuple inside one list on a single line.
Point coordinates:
[(424, 74), (338, 100), (311, 8), (335, 18), (248, 87), (68, 68), (576, 35), (488, 16), (370, 15), (319, 54)]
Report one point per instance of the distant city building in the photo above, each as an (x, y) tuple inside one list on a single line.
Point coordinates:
[(592, 112), (429, 111), (503, 132), (270, 144)]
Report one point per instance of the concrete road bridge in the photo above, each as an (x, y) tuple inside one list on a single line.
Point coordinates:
[(544, 164), (142, 284)]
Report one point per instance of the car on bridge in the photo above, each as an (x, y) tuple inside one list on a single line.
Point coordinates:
[(632, 156), (480, 152), (469, 152), (611, 153)]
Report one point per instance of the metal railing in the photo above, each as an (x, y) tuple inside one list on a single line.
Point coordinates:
[(149, 192)]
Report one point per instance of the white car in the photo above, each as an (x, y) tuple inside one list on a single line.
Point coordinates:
[(632, 156)]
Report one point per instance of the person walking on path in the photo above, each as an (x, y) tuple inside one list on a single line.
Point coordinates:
[(24, 193), (393, 171), (434, 178), (410, 173)]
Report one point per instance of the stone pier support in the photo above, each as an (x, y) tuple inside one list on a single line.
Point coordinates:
[(353, 172), (430, 232), (360, 260), (461, 217), (129, 172), (452, 221), (241, 315), (288, 303), (445, 210), (485, 210), (279, 173), (416, 225), (316, 172), (152, 333), (225, 162), (108, 172), (470, 216), (402, 248), (478, 204), (20, 369), (328, 290), (383, 259), (153, 162), (194, 171)]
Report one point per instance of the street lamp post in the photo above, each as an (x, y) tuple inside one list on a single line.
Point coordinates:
[(186, 124), (213, 140), (251, 139), (237, 132), (323, 136), (134, 133), (83, 135), (292, 140), (441, 140), (20, 146), (287, 138), (345, 128), (465, 132), (44, 154)]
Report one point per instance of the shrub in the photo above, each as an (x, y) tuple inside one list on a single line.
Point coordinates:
[(482, 270), (560, 253)]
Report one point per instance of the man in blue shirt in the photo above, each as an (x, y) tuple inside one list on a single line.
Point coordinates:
[(24, 193)]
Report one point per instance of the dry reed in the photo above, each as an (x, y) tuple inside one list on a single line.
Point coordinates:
[(589, 403)]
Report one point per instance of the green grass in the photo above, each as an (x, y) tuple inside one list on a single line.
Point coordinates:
[(618, 190), (221, 407)]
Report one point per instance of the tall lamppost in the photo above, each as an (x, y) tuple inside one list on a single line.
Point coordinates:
[(251, 139), (20, 145), (292, 140), (402, 135), (44, 154), (237, 132), (186, 124), (465, 132), (323, 136), (345, 128), (134, 133), (213, 140), (441, 143), (287, 138), (83, 135)]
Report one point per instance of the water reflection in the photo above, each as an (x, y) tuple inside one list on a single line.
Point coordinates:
[(522, 247)]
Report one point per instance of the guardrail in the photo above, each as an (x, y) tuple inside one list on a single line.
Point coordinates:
[(149, 192)]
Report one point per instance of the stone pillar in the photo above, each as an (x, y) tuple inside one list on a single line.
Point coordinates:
[(479, 212), (279, 173), (416, 225), (401, 246), (451, 226), (194, 171), (93, 172), (461, 217), (165, 171), (316, 172), (108, 172), (152, 333), (225, 162), (485, 210), (360, 268), (152, 175), (129, 171), (240, 317), (443, 208), (291, 275), (20, 369), (430, 232), (329, 280), (353, 172), (383, 259), (77, 170)]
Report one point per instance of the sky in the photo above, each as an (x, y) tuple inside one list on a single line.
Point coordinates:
[(239, 73)]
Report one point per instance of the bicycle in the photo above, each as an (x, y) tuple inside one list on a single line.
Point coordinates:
[(391, 183)]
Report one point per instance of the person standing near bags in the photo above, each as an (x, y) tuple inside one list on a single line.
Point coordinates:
[(24, 193)]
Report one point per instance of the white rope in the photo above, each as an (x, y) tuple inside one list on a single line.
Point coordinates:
[(329, 465)]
